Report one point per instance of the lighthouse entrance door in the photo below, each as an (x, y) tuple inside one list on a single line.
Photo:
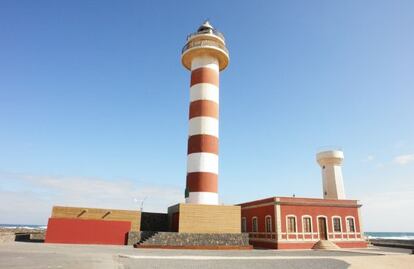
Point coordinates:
[(323, 235)]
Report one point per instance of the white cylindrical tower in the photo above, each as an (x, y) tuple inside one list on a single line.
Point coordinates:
[(333, 184), (205, 55)]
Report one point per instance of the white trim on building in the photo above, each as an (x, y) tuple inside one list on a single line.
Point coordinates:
[(295, 227), (303, 227), (243, 225), (268, 217), (255, 226)]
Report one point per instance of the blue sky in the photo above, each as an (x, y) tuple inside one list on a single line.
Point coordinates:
[(94, 103)]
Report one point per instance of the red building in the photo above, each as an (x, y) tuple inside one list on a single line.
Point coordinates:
[(299, 223)]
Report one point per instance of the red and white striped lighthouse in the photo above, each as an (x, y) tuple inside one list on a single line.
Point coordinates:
[(205, 54)]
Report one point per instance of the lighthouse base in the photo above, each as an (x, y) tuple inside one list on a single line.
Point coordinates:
[(195, 226), (213, 219), (171, 240)]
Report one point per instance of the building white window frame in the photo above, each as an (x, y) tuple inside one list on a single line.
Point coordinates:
[(268, 217), (303, 224), (340, 225), (287, 226), (244, 225), (347, 224), (255, 228), (327, 225)]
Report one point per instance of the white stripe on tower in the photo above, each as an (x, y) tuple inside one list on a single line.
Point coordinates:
[(202, 159), (202, 162), (204, 91), (203, 125), (205, 62)]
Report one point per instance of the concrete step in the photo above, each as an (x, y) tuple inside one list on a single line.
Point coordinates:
[(325, 244)]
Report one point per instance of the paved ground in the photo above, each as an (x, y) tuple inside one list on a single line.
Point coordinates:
[(36, 256)]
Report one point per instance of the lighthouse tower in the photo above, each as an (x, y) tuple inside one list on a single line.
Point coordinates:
[(205, 55), (333, 184)]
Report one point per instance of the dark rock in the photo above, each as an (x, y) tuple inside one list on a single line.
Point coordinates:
[(189, 239)]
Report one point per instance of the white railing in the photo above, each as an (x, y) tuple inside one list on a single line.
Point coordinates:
[(204, 43), (207, 31), (263, 235)]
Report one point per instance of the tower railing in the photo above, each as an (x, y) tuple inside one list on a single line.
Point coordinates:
[(204, 43), (207, 31)]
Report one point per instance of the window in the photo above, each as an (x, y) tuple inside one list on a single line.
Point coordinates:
[(244, 225), (291, 221), (254, 224), (307, 224), (337, 225), (268, 224), (350, 224)]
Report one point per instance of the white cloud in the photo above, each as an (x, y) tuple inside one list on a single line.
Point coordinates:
[(32, 200), (400, 144), (369, 158), (404, 159)]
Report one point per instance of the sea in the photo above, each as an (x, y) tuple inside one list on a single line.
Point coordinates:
[(387, 235), (23, 226), (370, 235)]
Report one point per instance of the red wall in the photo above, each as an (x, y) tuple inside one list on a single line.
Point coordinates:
[(305, 245), (314, 211), (299, 207), (77, 231), (260, 213)]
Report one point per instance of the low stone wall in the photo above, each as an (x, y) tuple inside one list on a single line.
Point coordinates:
[(393, 243), (31, 237), (26, 235), (136, 237), (196, 239), (38, 236)]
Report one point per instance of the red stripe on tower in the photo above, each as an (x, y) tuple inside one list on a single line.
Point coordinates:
[(205, 54)]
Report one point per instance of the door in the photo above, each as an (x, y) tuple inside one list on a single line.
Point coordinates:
[(322, 229)]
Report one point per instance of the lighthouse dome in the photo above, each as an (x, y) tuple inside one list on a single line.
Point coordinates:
[(206, 26)]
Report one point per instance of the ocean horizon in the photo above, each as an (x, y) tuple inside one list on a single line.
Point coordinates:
[(370, 235), (23, 226)]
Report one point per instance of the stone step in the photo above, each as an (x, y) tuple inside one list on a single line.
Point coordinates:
[(325, 244), (147, 236)]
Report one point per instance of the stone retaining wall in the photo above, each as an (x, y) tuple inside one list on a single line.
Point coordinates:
[(135, 237), (197, 239)]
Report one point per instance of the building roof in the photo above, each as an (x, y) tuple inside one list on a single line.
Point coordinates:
[(300, 201)]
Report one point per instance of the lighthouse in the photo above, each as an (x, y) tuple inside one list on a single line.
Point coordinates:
[(205, 55), (333, 184)]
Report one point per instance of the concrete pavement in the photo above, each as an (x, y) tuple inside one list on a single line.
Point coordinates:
[(37, 255)]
